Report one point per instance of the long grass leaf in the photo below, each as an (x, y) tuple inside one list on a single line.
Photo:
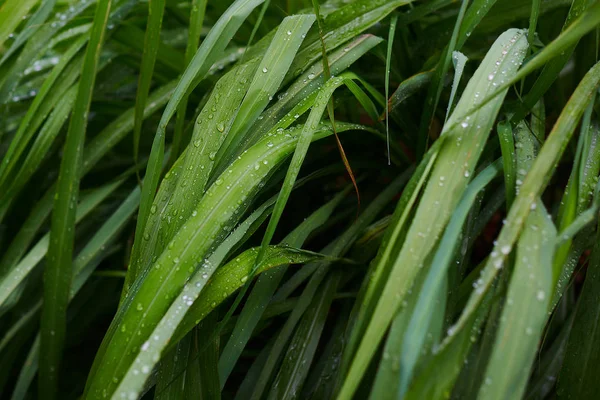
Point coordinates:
[(462, 143), (58, 274)]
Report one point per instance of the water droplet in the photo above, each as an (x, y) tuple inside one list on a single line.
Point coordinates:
[(265, 70), (541, 295)]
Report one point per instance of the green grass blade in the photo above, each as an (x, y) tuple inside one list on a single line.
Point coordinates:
[(393, 23), (33, 24), (156, 9), (416, 331), (224, 282), (210, 50), (507, 146), (552, 68), (525, 312), (265, 83), (532, 187), (11, 13), (57, 274), (446, 182)]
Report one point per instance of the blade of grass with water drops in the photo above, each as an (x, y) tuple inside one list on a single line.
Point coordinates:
[(535, 181), (447, 182), (11, 14), (214, 292), (417, 329), (270, 73), (210, 50), (528, 298), (152, 293), (174, 202)]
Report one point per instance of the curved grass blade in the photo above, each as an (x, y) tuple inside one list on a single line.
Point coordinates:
[(210, 50), (581, 26), (447, 181), (265, 83), (525, 312), (58, 274), (416, 331), (552, 68), (408, 88), (534, 183), (154, 291), (216, 290)]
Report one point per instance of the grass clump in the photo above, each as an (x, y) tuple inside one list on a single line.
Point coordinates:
[(385, 199)]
